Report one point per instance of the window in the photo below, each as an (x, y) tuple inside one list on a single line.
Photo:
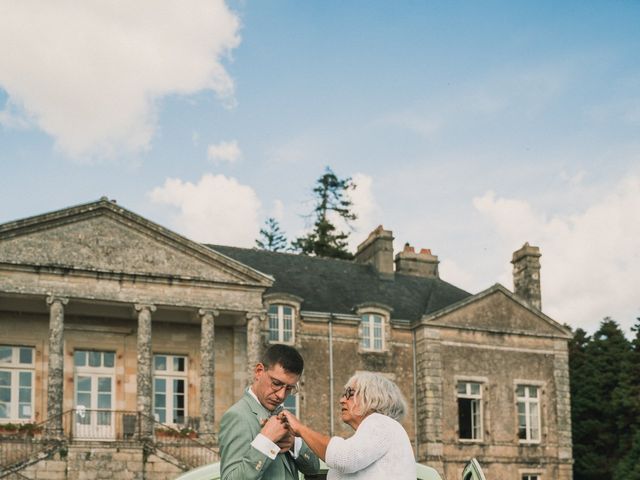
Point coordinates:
[(530, 476), (16, 382), (291, 404), (281, 323), (169, 388), (372, 332), (528, 405), (87, 358), (469, 410)]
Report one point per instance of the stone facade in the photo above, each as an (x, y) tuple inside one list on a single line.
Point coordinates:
[(99, 278)]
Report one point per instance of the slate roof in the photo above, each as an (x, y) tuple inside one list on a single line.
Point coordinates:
[(338, 286)]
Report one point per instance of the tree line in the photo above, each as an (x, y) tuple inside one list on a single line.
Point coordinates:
[(604, 372), (332, 203)]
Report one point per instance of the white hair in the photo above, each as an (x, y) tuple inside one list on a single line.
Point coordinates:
[(376, 393)]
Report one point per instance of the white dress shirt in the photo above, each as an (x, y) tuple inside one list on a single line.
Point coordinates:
[(379, 450)]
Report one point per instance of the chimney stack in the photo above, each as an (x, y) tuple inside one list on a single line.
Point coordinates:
[(526, 275), (377, 250), (422, 264)]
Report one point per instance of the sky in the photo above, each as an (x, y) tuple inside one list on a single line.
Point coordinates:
[(469, 127)]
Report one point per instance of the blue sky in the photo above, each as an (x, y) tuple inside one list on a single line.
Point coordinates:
[(469, 127)]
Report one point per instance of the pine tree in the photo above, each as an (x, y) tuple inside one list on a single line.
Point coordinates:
[(271, 237), (628, 468), (331, 200), (597, 387)]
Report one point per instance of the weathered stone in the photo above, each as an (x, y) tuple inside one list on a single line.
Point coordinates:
[(207, 374), (144, 376), (56, 364)]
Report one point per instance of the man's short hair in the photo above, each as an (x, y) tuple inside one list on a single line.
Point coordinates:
[(284, 355)]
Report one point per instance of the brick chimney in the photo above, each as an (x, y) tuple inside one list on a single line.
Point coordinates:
[(526, 275), (422, 264), (377, 250)]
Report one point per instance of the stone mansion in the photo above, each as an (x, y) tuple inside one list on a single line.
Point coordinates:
[(116, 332)]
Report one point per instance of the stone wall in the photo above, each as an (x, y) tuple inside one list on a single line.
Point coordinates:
[(103, 462)]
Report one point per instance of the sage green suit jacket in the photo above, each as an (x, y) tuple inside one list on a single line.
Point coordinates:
[(240, 461)]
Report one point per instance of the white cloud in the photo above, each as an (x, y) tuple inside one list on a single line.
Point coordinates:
[(590, 260), (364, 206), (217, 209), (225, 151), (91, 74)]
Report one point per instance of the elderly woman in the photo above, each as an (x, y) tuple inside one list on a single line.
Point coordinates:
[(380, 448)]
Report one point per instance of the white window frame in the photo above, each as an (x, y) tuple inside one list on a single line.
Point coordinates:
[(531, 476), (477, 417), (278, 317), (531, 422), (169, 375), (368, 329), (87, 368), (15, 368)]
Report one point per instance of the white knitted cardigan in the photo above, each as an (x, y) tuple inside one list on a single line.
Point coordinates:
[(379, 450)]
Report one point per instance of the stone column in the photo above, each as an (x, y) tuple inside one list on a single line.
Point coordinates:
[(563, 408), (429, 397), (207, 373), (254, 342), (55, 377), (144, 372)]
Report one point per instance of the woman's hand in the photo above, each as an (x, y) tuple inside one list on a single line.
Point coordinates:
[(291, 421)]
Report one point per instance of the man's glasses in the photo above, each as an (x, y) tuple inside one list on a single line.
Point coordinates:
[(277, 385), (348, 393)]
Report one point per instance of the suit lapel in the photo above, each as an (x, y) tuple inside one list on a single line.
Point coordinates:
[(261, 414)]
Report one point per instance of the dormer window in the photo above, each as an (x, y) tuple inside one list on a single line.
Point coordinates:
[(281, 323)]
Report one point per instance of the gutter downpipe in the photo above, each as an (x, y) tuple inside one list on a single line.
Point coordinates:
[(415, 396), (331, 375)]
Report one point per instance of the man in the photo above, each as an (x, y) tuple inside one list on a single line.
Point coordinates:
[(254, 442)]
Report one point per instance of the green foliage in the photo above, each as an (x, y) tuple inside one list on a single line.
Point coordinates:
[(628, 468), (332, 201), (603, 404), (271, 237)]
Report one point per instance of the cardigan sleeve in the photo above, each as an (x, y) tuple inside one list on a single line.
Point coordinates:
[(368, 444)]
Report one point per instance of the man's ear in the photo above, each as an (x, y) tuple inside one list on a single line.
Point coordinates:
[(259, 368)]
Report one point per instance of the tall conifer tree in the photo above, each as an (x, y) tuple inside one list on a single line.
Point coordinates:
[(597, 385), (628, 468), (332, 200), (271, 237)]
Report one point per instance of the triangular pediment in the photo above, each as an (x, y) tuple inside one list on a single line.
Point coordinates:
[(496, 309), (104, 237)]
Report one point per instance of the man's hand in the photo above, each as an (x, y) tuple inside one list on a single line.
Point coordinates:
[(286, 443), (274, 429)]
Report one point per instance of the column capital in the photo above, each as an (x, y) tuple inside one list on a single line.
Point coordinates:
[(204, 311), (145, 306), (261, 314), (52, 297)]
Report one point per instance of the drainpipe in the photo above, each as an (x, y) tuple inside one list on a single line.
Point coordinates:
[(331, 399), (415, 396)]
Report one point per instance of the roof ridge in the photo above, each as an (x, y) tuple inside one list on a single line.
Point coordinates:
[(291, 254)]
